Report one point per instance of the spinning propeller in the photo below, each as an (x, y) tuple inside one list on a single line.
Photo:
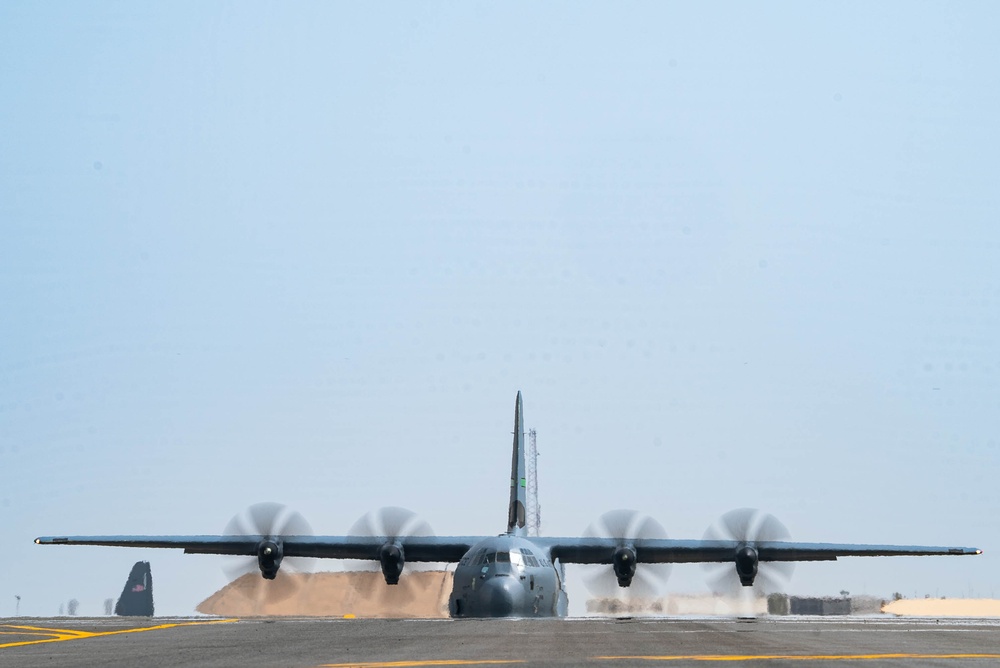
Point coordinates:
[(625, 527), (748, 527), (393, 525), (271, 523)]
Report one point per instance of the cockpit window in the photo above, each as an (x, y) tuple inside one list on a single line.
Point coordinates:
[(519, 557)]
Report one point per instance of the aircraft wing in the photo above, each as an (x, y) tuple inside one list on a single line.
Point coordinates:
[(573, 550), (661, 551), (417, 548)]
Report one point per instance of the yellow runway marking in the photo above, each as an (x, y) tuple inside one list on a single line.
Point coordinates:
[(59, 635), (796, 657), (407, 664)]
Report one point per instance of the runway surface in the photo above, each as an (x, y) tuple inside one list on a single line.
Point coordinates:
[(601, 643)]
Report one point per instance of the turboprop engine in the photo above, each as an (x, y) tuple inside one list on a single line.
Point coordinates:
[(625, 528), (269, 555), (746, 565), (749, 529), (623, 561), (392, 526), (392, 559), (266, 526)]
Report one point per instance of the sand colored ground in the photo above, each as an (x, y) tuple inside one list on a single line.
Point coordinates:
[(424, 594), (944, 607), (419, 594)]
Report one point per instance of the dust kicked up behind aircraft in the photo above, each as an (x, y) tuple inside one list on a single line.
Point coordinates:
[(513, 574)]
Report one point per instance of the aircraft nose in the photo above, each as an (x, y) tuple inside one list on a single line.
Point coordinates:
[(501, 596)]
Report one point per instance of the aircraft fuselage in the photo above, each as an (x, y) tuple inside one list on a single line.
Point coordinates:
[(507, 576)]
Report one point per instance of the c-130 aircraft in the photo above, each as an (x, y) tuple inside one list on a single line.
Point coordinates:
[(513, 574)]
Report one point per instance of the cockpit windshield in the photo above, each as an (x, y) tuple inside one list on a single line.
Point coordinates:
[(518, 557)]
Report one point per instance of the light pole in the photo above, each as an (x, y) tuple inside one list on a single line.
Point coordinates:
[(17, 606)]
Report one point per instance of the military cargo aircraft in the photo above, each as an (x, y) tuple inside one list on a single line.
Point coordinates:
[(511, 574)]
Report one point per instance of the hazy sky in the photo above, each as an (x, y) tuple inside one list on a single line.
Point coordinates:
[(735, 254)]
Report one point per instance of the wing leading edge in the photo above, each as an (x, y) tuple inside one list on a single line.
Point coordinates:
[(568, 550), (420, 548), (661, 551)]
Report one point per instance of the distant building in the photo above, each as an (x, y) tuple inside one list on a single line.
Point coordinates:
[(780, 604)]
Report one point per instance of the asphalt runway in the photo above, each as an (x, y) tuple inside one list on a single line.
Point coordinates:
[(601, 643)]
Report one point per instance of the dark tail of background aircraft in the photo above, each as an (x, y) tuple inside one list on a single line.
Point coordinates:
[(137, 596)]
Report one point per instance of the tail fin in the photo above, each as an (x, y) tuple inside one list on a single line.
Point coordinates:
[(518, 487), (137, 596)]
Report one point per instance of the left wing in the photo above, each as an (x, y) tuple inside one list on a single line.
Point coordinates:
[(663, 551), (625, 554)]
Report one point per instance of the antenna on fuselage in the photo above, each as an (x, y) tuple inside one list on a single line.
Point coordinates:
[(534, 524)]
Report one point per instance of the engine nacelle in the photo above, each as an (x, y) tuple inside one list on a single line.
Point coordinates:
[(392, 559), (269, 555), (746, 565), (623, 561)]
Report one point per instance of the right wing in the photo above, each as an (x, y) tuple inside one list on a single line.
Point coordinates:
[(417, 548)]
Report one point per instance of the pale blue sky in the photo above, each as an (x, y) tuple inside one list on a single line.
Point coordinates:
[(733, 254)]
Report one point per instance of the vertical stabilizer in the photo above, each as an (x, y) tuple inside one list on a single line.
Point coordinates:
[(137, 596), (518, 484)]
